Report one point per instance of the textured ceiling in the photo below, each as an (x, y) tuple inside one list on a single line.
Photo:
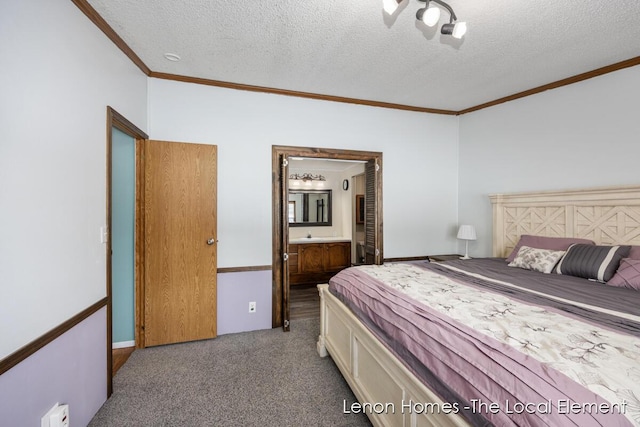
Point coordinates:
[(353, 49)]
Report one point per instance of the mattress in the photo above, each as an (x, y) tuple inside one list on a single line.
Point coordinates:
[(506, 346)]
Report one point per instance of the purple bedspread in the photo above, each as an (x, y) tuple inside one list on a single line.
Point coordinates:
[(490, 382)]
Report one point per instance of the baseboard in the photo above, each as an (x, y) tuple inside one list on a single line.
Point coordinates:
[(123, 344)]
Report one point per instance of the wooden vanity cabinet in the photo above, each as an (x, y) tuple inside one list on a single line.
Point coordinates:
[(337, 256), (311, 263)]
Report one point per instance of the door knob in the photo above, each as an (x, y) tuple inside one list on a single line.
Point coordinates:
[(211, 241)]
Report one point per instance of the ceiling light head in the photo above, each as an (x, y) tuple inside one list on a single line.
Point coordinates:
[(390, 6), (431, 16), (456, 30)]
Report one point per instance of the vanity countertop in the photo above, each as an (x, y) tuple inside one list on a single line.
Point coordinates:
[(301, 240)]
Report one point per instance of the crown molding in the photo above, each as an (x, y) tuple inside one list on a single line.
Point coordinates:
[(99, 21), (298, 94), (564, 82)]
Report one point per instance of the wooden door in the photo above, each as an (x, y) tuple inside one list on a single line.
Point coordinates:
[(284, 215), (180, 201), (373, 251)]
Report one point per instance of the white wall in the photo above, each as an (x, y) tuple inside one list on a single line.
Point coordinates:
[(419, 161), (58, 74), (583, 135)]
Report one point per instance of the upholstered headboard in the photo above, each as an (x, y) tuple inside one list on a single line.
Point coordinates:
[(607, 216)]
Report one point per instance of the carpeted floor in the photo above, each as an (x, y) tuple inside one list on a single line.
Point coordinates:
[(259, 378)]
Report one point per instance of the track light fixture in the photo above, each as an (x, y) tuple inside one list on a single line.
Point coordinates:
[(430, 15)]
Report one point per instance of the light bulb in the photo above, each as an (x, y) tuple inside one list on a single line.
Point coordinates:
[(390, 6), (431, 16), (459, 30)]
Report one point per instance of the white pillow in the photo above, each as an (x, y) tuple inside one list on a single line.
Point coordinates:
[(542, 260)]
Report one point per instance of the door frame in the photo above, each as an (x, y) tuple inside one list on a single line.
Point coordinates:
[(118, 121), (277, 289)]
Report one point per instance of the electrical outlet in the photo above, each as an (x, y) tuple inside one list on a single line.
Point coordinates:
[(58, 416), (252, 307), (45, 421)]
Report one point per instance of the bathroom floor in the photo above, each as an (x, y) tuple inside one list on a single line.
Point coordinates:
[(304, 302)]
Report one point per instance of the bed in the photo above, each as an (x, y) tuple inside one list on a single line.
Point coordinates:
[(495, 342)]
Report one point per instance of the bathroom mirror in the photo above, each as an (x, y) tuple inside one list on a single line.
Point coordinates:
[(309, 208)]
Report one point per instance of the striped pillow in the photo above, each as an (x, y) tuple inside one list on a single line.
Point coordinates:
[(592, 262)]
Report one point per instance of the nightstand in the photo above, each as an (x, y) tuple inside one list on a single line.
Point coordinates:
[(440, 258)]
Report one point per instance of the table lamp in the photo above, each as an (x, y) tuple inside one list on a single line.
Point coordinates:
[(466, 233)]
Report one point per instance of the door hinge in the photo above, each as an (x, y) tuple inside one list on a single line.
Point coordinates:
[(285, 257), (285, 163), (286, 323), (377, 252), (377, 167)]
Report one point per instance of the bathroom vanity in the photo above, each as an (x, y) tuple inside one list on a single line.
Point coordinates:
[(314, 260)]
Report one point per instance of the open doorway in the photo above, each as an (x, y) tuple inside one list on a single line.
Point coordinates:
[(321, 203), (118, 124), (282, 261)]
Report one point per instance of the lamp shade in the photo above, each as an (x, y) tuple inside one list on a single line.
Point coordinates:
[(467, 232)]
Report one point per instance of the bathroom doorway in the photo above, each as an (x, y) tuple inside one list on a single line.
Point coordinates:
[(281, 158), (321, 203)]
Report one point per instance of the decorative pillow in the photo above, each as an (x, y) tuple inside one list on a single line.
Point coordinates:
[(592, 262), (628, 274), (542, 242), (634, 253), (542, 260)]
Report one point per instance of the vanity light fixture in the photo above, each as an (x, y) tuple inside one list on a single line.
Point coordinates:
[(430, 15), (307, 177)]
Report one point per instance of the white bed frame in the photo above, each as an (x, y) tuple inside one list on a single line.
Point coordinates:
[(377, 378)]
